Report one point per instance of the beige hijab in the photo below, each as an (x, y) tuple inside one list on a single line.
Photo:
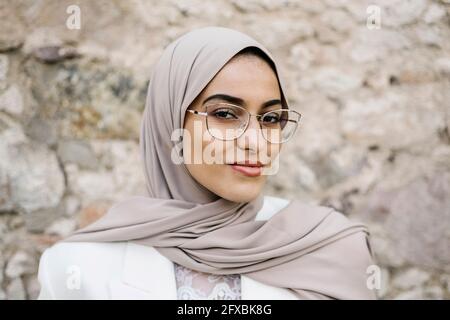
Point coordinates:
[(312, 250)]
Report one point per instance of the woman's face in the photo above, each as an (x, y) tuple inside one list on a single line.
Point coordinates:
[(249, 82)]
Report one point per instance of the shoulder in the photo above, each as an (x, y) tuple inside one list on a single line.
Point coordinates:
[(65, 261), (81, 252), (271, 206)]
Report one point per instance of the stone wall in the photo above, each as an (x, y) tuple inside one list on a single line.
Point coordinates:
[(374, 141)]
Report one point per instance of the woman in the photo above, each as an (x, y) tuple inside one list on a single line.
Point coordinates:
[(215, 119)]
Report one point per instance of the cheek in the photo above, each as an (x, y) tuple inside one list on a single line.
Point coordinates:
[(201, 149), (273, 150), (193, 144)]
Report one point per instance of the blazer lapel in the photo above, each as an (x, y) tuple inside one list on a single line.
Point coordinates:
[(146, 274)]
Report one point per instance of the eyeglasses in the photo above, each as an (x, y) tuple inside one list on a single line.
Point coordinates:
[(228, 122)]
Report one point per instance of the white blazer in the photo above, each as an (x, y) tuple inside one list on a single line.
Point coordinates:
[(124, 270)]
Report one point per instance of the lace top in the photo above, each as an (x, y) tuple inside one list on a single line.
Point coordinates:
[(194, 285)]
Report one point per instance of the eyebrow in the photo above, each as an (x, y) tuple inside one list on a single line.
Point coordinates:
[(239, 101)]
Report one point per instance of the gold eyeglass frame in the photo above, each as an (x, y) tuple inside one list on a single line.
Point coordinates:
[(249, 115)]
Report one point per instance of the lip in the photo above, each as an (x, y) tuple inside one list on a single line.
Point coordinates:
[(247, 168), (248, 163)]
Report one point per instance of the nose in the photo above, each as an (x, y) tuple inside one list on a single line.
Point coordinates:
[(252, 138)]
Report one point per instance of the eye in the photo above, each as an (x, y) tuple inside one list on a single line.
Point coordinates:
[(272, 117), (225, 113)]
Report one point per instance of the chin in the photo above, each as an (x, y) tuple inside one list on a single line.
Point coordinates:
[(227, 184), (238, 188), (241, 193)]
